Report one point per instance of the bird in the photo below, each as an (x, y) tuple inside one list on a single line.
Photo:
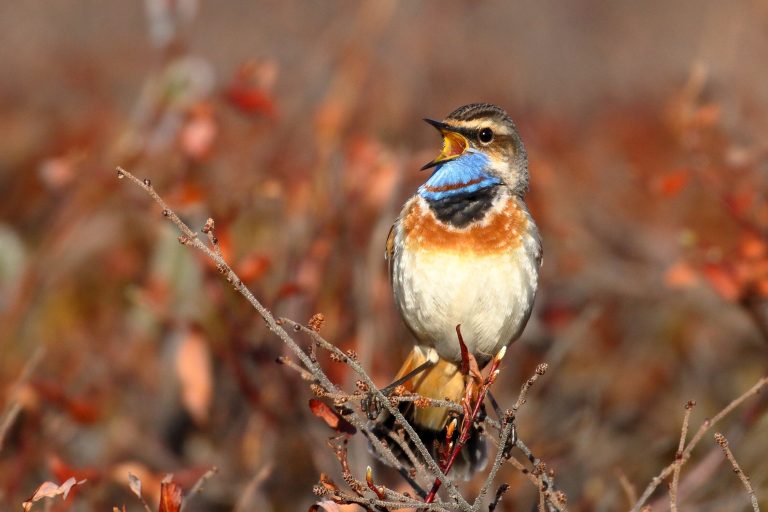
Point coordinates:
[(464, 251)]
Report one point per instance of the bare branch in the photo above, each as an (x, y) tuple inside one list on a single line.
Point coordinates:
[(13, 407), (706, 426), (723, 442), (626, 485), (679, 456)]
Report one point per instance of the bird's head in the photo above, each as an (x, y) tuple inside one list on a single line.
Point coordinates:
[(480, 142)]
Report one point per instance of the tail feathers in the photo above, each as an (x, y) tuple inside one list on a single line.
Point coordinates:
[(443, 381)]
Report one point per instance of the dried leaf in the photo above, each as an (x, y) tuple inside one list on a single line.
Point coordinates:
[(170, 497), (331, 417), (135, 484), (150, 482), (680, 275), (251, 100), (328, 483), (253, 266), (723, 281), (57, 172), (753, 246), (195, 374), (199, 132), (250, 88), (51, 490), (325, 506)]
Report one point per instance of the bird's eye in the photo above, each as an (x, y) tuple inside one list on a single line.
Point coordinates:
[(485, 135)]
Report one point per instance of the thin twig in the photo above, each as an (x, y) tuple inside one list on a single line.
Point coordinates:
[(540, 370), (472, 410), (198, 486), (506, 432), (706, 426), (679, 456), (501, 456), (397, 438), (13, 407), (723, 442), (384, 400), (539, 479), (496, 499), (626, 485)]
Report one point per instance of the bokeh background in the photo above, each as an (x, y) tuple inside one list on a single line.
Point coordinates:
[(297, 126)]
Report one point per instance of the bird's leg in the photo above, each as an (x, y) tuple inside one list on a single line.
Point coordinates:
[(370, 404), (408, 376), (495, 405)]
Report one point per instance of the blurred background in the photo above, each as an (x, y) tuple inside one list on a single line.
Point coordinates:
[(297, 127)]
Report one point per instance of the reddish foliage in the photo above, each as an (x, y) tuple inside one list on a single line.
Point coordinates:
[(170, 497), (331, 417)]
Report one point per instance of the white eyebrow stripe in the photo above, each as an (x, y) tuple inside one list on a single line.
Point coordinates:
[(476, 124)]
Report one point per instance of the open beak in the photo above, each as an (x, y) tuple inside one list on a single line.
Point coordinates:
[(454, 143)]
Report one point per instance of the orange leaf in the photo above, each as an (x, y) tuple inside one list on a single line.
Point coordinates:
[(170, 497), (331, 417), (752, 246), (195, 374), (761, 288), (680, 275), (253, 266), (723, 281)]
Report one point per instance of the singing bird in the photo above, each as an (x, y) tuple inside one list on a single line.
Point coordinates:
[(464, 251)]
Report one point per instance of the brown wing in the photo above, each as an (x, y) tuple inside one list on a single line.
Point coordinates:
[(389, 250)]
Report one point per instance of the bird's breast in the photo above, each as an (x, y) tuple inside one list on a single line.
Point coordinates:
[(500, 230), (482, 276)]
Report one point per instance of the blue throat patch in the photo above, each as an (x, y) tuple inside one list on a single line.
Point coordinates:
[(463, 175)]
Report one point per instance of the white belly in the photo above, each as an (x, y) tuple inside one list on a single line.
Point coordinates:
[(489, 295)]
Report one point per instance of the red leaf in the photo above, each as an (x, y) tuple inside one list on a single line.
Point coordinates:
[(464, 352), (82, 410), (672, 183), (723, 281), (251, 86), (170, 497), (331, 417), (251, 100), (253, 266)]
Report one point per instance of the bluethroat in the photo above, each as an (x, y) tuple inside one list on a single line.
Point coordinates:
[(464, 251)]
